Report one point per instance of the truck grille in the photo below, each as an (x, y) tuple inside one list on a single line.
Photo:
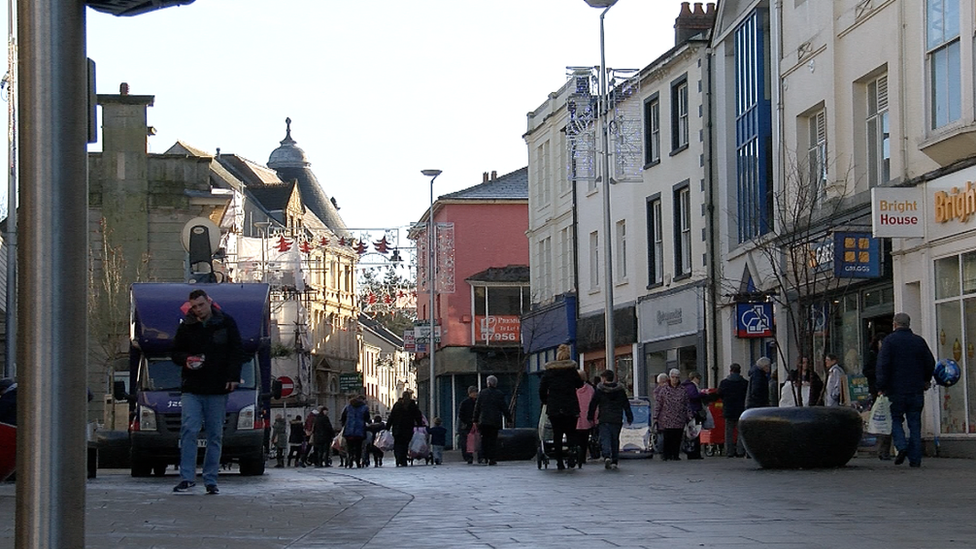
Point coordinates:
[(171, 422)]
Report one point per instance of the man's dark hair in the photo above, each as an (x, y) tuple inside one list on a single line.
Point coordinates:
[(830, 356), (607, 375), (735, 368), (198, 293)]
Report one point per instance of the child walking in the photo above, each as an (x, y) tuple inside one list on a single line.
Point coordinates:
[(438, 439)]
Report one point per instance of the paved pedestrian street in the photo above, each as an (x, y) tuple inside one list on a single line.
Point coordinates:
[(716, 502)]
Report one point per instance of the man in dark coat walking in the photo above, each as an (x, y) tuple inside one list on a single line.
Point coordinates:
[(611, 399), (465, 421), (757, 395), (905, 366), (404, 416), (557, 392), (732, 391), (489, 410)]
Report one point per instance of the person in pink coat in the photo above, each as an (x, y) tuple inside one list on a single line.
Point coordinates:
[(583, 426)]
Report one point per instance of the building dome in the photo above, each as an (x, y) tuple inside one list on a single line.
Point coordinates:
[(288, 155)]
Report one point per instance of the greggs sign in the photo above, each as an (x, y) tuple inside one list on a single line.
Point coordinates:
[(897, 212), (955, 204)]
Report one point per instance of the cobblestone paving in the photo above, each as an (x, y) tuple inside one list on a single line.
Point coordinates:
[(716, 502)]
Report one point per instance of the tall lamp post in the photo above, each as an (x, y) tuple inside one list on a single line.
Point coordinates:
[(605, 175), (431, 258)]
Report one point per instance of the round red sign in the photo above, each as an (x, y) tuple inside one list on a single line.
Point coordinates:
[(287, 386)]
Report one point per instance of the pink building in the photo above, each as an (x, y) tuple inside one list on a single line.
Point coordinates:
[(481, 289)]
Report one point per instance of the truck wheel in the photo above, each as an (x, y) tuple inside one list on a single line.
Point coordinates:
[(252, 466), (140, 469)]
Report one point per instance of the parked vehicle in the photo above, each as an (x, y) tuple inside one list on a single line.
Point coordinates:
[(155, 402)]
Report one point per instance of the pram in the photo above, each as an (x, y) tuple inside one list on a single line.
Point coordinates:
[(547, 445)]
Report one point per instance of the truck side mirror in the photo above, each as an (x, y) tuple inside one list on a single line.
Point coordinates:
[(276, 389), (118, 390)]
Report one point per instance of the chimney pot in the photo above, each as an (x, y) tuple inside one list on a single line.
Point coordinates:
[(494, 175), (698, 9), (484, 177), (124, 88)]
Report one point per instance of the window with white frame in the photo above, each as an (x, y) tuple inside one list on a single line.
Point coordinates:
[(682, 233), (652, 130), (655, 238), (542, 175), (817, 154), (545, 266), (679, 114), (594, 260), (497, 310), (620, 252), (878, 132), (564, 259), (942, 46)]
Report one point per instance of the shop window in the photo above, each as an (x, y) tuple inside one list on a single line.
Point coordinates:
[(968, 353), (969, 273), (947, 277), (949, 344)]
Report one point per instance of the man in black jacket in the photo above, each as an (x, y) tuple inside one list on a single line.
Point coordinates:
[(489, 410), (611, 399), (465, 420), (905, 366), (208, 347), (732, 391)]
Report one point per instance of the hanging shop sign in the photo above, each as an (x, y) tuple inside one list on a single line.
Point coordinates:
[(856, 255), (754, 320), (897, 212)]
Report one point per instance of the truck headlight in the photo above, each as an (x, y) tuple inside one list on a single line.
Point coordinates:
[(245, 419), (147, 418)]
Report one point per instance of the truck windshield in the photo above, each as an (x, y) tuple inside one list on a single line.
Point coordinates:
[(162, 374)]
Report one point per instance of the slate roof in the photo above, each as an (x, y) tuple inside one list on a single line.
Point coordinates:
[(273, 197), (510, 273), (511, 186), (380, 330)]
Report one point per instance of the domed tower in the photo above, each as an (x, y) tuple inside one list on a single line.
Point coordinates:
[(291, 164)]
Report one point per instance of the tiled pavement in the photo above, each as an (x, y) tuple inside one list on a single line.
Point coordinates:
[(717, 502)]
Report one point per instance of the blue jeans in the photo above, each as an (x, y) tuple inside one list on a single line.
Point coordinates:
[(208, 410), (907, 407), (610, 440)]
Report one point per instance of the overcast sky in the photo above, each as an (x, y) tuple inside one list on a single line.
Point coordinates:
[(377, 90)]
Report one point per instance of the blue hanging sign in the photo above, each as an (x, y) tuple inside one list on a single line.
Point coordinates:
[(754, 320), (856, 255)]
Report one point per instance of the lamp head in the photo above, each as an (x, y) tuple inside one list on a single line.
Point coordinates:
[(600, 3), (431, 173)]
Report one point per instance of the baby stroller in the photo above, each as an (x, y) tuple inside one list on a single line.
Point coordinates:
[(547, 445), (418, 450)]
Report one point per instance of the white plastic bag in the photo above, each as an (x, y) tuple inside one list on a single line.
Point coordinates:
[(709, 422), (880, 421), (418, 445), (384, 440)]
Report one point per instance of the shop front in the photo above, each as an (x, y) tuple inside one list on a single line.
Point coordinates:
[(671, 328), (591, 345)]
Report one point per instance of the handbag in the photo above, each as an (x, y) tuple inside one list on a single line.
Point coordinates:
[(474, 441), (709, 422), (879, 423)]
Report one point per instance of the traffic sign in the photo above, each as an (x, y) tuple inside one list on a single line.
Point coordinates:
[(287, 386)]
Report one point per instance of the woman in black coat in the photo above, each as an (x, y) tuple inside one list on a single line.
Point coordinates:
[(557, 391), (404, 416)]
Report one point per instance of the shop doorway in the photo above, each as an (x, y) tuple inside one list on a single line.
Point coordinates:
[(875, 326)]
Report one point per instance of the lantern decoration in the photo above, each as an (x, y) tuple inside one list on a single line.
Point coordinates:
[(957, 350), (382, 246), (323, 242), (342, 241), (969, 349), (283, 244), (360, 248), (942, 337), (305, 247)]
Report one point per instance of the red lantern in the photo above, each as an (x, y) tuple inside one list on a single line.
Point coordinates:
[(283, 244)]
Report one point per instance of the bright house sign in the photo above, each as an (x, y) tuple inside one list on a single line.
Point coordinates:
[(897, 212)]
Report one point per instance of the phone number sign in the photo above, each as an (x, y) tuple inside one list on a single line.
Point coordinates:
[(498, 329)]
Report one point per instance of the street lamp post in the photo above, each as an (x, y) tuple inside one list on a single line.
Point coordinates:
[(603, 105), (431, 259)]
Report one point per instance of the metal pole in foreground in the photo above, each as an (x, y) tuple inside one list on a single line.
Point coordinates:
[(431, 279), (53, 258), (605, 175), (10, 237)]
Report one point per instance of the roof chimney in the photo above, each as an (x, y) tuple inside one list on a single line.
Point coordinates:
[(124, 88), (484, 177), (689, 24), (494, 175)]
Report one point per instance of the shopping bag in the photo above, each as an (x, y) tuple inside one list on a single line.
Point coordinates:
[(474, 441), (709, 422), (879, 423), (384, 440), (418, 445), (339, 442)]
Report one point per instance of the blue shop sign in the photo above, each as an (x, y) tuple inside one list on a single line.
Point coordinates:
[(754, 320), (856, 255)]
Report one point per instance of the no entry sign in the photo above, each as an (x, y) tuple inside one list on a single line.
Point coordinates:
[(287, 386)]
